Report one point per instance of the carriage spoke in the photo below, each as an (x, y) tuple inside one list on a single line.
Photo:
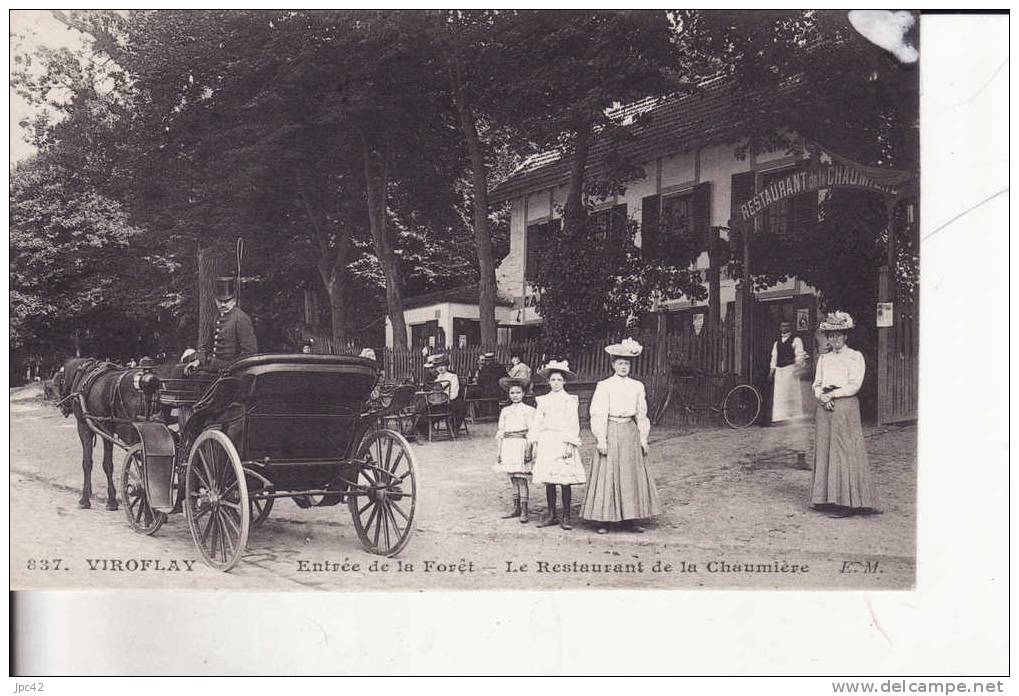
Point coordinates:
[(400, 510), (214, 528), (201, 479), (392, 518), (208, 528), (385, 522), (147, 511), (229, 488), (222, 537), (389, 456), (205, 465), (396, 464), (234, 526), (366, 506), (227, 534), (371, 518), (378, 525), (227, 503)]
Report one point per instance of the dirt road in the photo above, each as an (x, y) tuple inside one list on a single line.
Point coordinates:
[(736, 517)]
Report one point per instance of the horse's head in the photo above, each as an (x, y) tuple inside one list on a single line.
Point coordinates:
[(65, 380)]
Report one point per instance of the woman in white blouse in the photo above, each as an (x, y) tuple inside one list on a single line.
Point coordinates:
[(555, 431), (621, 488), (841, 484)]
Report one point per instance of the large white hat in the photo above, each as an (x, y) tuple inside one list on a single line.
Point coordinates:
[(627, 348), (560, 366), (837, 321)]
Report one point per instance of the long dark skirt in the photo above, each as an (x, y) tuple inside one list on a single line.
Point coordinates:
[(841, 469), (620, 486)]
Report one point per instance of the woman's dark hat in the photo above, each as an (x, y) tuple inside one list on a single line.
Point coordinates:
[(225, 288)]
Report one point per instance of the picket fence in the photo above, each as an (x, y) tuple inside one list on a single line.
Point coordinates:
[(664, 354)]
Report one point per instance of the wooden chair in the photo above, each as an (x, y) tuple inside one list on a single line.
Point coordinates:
[(476, 397), (439, 410), (397, 411)]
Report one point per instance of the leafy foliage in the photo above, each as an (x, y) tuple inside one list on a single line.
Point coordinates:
[(71, 259), (594, 285)]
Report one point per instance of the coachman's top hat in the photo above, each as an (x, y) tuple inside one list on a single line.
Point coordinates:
[(226, 288)]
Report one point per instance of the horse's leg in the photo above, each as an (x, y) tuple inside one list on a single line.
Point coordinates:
[(111, 490), (87, 439)]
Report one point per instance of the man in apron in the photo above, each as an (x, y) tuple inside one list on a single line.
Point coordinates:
[(788, 359)]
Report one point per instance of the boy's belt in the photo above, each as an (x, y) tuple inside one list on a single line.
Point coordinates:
[(621, 419), (522, 434)]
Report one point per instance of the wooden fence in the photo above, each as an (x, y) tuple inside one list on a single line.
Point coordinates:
[(712, 352)]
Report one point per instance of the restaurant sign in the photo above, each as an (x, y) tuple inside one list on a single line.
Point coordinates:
[(827, 176)]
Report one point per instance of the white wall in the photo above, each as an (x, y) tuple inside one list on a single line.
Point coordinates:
[(675, 172), (444, 313)]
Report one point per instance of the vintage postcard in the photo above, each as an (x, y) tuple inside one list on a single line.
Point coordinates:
[(477, 300)]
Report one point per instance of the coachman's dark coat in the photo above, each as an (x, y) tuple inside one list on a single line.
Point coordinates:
[(230, 338)]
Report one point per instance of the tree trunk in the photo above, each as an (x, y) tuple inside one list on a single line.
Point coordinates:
[(487, 289), (376, 181), (211, 264), (574, 212), (332, 269)]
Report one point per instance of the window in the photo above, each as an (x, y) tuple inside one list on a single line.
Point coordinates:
[(776, 220), (610, 224), (429, 334), (674, 228), (539, 238), (677, 218), (789, 216)]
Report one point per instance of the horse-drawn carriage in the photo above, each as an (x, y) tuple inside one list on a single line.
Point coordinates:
[(268, 427)]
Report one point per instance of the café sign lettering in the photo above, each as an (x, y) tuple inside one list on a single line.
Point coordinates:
[(830, 176)]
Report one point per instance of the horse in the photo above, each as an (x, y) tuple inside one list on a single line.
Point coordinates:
[(111, 398)]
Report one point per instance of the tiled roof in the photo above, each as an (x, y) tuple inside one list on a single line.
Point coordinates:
[(716, 113), (465, 294)]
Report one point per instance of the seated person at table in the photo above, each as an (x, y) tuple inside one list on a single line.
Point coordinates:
[(445, 376), (487, 384), (520, 370)]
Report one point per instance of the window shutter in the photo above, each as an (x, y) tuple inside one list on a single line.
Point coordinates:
[(701, 214), (650, 221), (743, 188), (533, 252), (617, 225), (804, 213)]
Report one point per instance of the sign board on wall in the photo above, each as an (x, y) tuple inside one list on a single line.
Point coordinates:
[(885, 315), (830, 176), (803, 319)]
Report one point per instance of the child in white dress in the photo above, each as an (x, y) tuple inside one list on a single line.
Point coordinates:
[(555, 433), (514, 457)]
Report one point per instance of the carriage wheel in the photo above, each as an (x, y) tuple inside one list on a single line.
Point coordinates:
[(384, 512), (140, 515), (216, 500), (741, 406), (260, 509)]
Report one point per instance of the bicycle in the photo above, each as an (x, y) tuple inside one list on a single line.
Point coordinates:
[(739, 406)]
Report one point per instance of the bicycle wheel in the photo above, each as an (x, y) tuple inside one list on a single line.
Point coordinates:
[(741, 406)]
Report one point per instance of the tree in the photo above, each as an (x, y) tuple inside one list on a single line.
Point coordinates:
[(69, 245), (570, 69), (810, 73)]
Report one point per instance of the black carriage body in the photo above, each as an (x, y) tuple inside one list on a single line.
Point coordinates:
[(272, 426), (296, 418)]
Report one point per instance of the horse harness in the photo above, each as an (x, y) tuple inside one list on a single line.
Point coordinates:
[(82, 380)]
